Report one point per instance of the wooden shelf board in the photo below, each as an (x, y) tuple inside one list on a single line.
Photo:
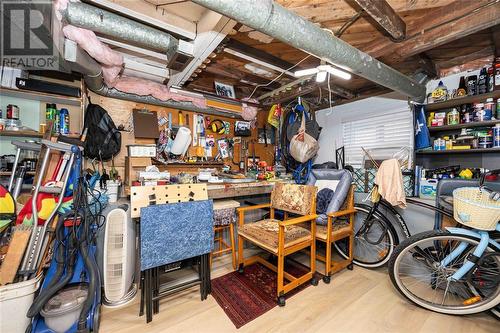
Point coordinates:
[(462, 100), (39, 96), (459, 151), (27, 134), (488, 123), (8, 173), (191, 164)]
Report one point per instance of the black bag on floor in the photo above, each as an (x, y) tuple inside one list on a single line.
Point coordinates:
[(103, 140)]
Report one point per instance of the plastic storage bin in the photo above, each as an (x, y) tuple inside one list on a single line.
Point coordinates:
[(15, 300)]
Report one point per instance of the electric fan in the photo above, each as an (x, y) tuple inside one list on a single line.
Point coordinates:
[(118, 263)]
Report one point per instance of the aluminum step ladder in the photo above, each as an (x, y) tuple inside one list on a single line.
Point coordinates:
[(38, 240)]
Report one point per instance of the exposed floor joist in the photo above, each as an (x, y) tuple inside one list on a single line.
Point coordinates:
[(496, 40), (277, 63), (385, 16), (163, 20), (458, 19)]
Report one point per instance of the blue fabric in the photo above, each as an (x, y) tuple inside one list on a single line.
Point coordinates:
[(345, 179), (422, 136), (323, 200), (174, 232)]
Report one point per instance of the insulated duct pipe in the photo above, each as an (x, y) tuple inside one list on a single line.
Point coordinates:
[(98, 20), (272, 19), (81, 62)]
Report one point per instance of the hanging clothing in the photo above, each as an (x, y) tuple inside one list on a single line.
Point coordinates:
[(390, 183)]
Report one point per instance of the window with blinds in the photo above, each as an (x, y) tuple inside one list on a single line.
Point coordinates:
[(383, 135)]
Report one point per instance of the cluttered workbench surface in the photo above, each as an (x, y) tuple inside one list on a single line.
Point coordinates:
[(236, 189), (233, 189)]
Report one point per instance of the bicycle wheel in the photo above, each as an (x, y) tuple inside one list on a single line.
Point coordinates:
[(416, 273), (372, 247)]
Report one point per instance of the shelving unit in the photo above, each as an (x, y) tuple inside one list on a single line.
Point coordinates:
[(462, 100), (489, 123), (25, 134), (8, 173), (459, 151), (42, 97), (467, 158)]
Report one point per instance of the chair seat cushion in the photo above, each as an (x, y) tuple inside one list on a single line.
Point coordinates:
[(265, 234), (340, 229)]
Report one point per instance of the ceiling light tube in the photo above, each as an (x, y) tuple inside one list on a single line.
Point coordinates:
[(321, 76), (304, 72), (338, 73)]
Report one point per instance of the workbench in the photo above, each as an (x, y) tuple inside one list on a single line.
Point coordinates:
[(231, 190)]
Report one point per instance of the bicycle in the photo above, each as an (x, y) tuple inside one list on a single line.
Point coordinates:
[(457, 270), (375, 234)]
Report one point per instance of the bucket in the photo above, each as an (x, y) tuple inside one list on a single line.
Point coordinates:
[(15, 300), (113, 188)]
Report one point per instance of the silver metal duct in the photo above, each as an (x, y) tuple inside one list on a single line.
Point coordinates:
[(104, 22), (81, 62), (280, 23)]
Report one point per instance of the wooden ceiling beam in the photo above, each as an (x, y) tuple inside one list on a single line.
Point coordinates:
[(292, 94), (443, 25), (496, 40), (224, 71), (476, 21), (484, 53), (385, 16), (305, 90), (257, 54), (428, 66)]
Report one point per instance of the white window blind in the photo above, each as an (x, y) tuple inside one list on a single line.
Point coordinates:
[(390, 131)]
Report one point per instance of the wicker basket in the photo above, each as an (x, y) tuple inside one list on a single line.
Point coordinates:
[(473, 207)]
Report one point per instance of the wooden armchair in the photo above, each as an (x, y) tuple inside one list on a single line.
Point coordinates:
[(338, 229), (282, 238)]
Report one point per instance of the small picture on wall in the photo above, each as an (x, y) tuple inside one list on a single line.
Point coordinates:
[(225, 90)]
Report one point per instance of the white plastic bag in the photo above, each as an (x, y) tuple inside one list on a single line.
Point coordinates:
[(303, 147)]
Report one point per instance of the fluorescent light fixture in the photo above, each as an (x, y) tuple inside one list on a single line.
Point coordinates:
[(304, 72), (321, 76), (256, 61), (323, 68), (339, 73)]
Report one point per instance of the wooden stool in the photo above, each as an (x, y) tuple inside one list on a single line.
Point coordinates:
[(224, 219)]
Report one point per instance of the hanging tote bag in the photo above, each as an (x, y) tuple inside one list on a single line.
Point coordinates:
[(303, 147)]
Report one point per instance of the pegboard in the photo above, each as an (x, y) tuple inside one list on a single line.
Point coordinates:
[(143, 196)]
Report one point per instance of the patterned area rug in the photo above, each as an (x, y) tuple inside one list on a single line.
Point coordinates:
[(247, 296)]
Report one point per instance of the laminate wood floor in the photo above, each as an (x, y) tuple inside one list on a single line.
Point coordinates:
[(355, 301)]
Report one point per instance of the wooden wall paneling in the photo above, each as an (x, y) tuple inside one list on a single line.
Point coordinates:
[(121, 113)]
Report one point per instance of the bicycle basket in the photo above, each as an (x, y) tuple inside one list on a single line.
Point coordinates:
[(473, 208)]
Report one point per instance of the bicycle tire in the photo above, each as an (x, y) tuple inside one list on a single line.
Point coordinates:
[(439, 237), (359, 242)]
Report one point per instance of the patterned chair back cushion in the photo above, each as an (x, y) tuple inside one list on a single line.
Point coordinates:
[(292, 198)]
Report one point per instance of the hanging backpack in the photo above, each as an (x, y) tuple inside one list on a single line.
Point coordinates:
[(103, 140)]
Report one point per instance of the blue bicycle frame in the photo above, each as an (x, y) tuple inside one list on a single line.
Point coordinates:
[(484, 240)]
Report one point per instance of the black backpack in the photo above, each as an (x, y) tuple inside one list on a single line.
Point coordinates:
[(103, 140)]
